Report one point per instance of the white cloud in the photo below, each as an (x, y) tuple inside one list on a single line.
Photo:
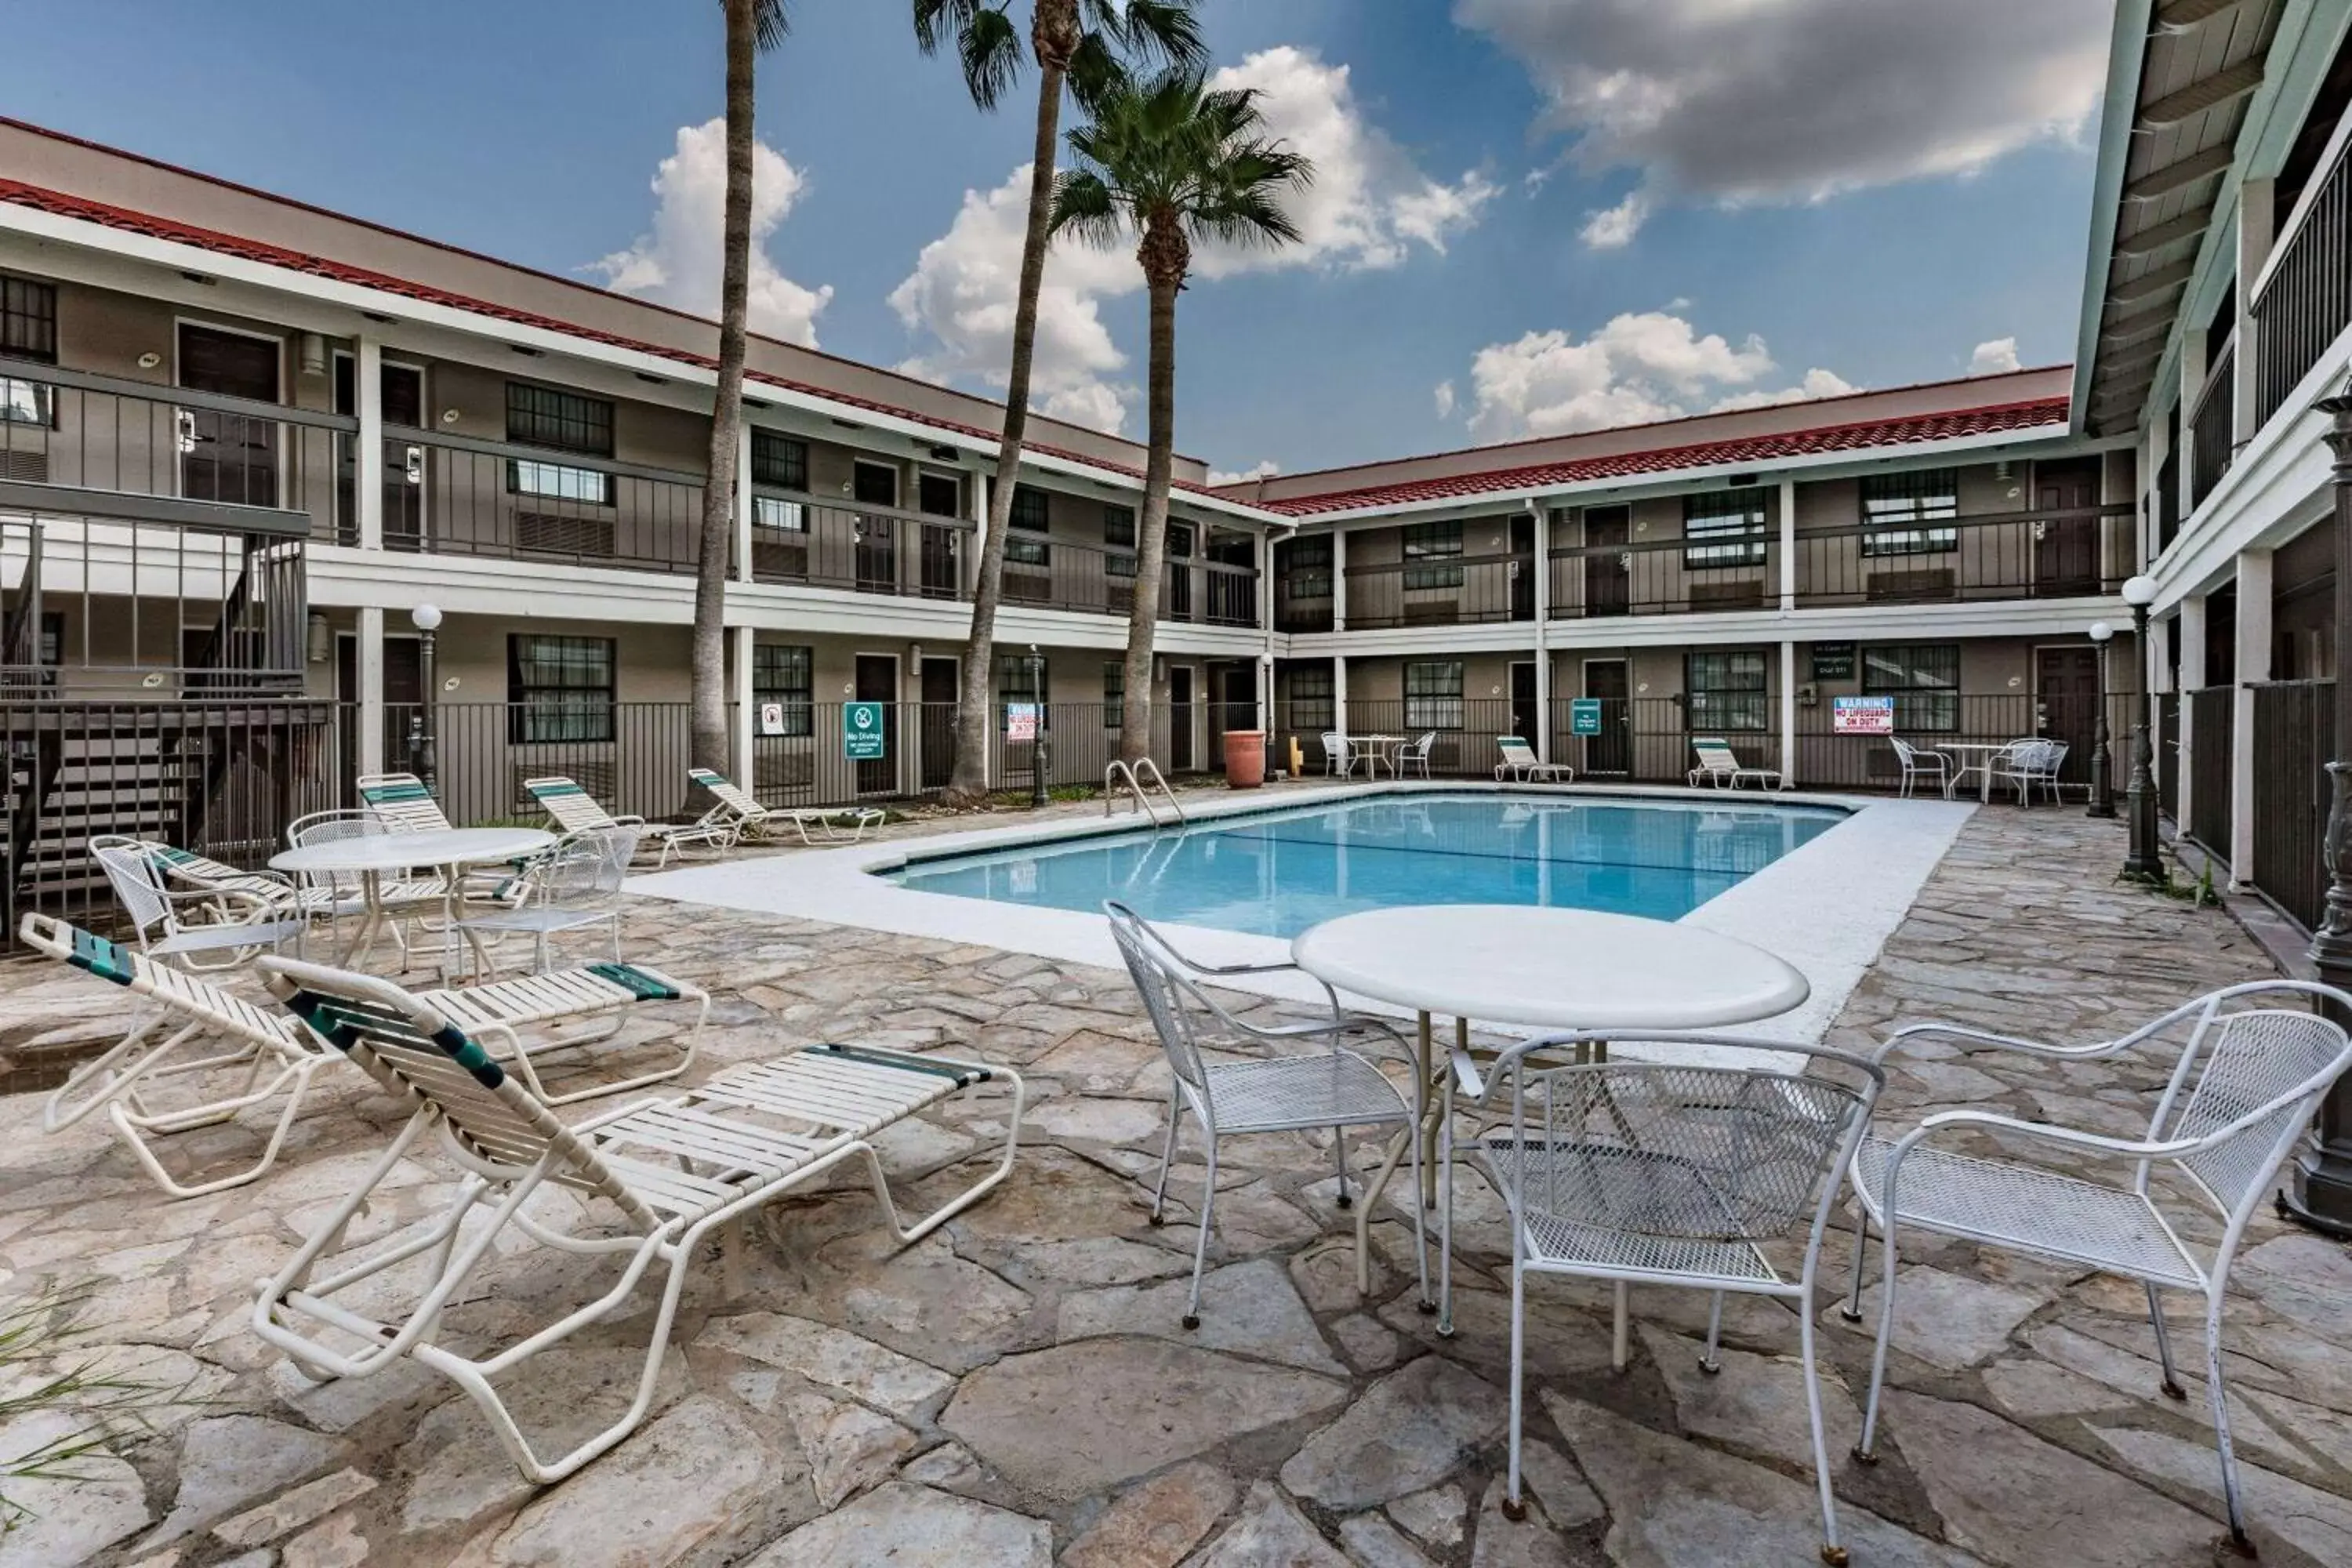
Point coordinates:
[(1761, 101), (1637, 368), (677, 261), (1444, 397), (1369, 206), (1613, 228), (1996, 356), (1261, 470)]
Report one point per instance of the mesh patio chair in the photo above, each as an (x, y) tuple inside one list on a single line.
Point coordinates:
[(750, 819), (572, 889), (217, 1055), (1643, 1173), (235, 895), (186, 926), (405, 900), (2242, 1093), (1334, 1089), (1339, 761), (677, 1170), (2029, 765), (574, 810), (1521, 764), (1920, 763), (1416, 753)]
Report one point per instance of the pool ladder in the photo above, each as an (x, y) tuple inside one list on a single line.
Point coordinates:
[(1139, 783)]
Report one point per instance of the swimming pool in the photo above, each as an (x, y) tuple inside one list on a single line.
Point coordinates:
[(1276, 873)]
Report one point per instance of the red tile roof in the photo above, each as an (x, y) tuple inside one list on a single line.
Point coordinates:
[(1740, 451), (63, 205)]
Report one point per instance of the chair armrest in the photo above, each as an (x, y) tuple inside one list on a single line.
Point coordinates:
[(1466, 1073), (1912, 1032), (2045, 1131), (631, 820)]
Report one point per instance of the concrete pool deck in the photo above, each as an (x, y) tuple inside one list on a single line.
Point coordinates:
[(1826, 908)]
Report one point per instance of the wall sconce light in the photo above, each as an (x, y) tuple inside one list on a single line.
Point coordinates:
[(321, 640), (313, 354), (914, 655), (150, 360), (450, 416)]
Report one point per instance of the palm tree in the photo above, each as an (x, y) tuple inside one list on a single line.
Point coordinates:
[(751, 25), (1078, 44), (1174, 162)]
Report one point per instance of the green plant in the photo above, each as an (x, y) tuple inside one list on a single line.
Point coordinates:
[(102, 1409)]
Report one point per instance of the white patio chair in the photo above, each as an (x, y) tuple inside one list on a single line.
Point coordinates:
[(2240, 1098), (334, 893), (1720, 765), (1522, 766), (1338, 758), (1649, 1174), (750, 819), (2029, 765), (235, 895), (1920, 763), (250, 1057), (574, 810), (677, 1170), (1333, 1088), (1416, 753), (185, 926), (572, 889)]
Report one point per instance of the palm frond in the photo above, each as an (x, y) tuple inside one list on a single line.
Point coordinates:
[(989, 49), (1163, 33), (770, 24), (1086, 207), (936, 21), (1096, 72)]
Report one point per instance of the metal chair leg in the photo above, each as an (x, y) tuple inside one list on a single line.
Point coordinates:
[(1867, 1450), (1710, 1363), (2218, 1398), (1340, 1159), (2172, 1389), (1833, 1553), (1200, 1246), (1514, 1507), (1167, 1157), (1852, 1310)]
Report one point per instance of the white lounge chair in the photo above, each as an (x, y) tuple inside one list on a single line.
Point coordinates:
[(574, 810), (1919, 763), (197, 929), (677, 1170), (1521, 764), (403, 804), (1720, 765), (750, 819), (266, 1055), (2239, 1101)]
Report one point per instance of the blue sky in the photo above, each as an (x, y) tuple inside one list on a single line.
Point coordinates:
[(1536, 214)]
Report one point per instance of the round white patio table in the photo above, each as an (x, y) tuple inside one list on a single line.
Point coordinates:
[(1546, 969), (374, 855), (1958, 750)]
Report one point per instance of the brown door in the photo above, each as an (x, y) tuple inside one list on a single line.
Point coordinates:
[(1607, 574), (1609, 752), (228, 456), (2066, 693), (403, 387), (404, 700), (1525, 722), (877, 682), (2065, 532), (939, 676), (878, 537), (1176, 603), (940, 495), (1179, 714)]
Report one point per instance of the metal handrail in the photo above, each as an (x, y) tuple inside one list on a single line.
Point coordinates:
[(1134, 776)]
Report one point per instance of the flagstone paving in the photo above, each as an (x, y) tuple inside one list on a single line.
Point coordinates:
[(1017, 1391)]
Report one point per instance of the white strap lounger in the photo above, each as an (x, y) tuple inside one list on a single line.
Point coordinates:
[(503, 1009), (676, 1169), (574, 810), (753, 820)]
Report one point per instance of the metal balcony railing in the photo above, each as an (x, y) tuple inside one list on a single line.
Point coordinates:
[(456, 495), (2304, 299), (1441, 591), (2212, 429)]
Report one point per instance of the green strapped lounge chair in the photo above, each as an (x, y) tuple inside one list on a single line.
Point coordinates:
[(574, 810), (752, 820), (676, 1170), (403, 804)]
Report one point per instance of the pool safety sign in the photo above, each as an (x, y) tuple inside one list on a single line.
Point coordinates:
[(862, 732), (771, 718), (1021, 722), (1584, 716), (1861, 715)]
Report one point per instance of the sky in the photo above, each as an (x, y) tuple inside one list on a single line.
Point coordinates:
[(1529, 217)]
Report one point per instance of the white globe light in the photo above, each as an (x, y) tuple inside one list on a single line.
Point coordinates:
[(425, 617), (2101, 631), (2140, 591)]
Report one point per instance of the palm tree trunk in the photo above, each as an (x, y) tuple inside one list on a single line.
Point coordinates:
[(709, 738), (1055, 25), (1152, 534)]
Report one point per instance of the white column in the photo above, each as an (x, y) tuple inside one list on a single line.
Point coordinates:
[(1788, 544), (2253, 665), (1339, 582), (969, 566), (2192, 381), (2255, 222), (1541, 567), (371, 673), (743, 505), (2159, 447), (745, 722), (1789, 711), (2192, 676), (1339, 692), (367, 464)]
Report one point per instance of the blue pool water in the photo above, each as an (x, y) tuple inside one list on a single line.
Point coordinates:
[(1276, 873)]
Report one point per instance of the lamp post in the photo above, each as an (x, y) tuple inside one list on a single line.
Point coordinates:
[(2145, 860), (2319, 1187), (1040, 750), (424, 618), (2102, 794)]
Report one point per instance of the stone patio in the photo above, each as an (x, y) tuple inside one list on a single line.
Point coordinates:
[(1017, 1391)]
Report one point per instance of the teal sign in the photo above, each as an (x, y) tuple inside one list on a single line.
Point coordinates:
[(862, 735), (1584, 716)]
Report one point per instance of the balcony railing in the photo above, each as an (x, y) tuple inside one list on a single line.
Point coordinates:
[(1441, 591), (2303, 301), (798, 538), (455, 495), (2063, 554), (1062, 574), (2212, 429), (1719, 571)]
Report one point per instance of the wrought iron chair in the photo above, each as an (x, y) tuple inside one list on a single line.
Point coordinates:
[(193, 929), (1338, 760), (1416, 755), (572, 889), (1922, 763), (1335, 1088), (1645, 1172), (2242, 1090), (2030, 765), (345, 892)]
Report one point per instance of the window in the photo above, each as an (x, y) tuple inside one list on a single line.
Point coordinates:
[(1895, 506), (1119, 532), (560, 689), (1019, 677), (782, 673), (779, 515), (28, 330), (1029, 515), (1113, 694), (1724, 691), (1312, 700), (1433, 692), (1307, 568), (1733, 517), (1432, 542), (1923, 679), (779, 460), (542, 417)]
